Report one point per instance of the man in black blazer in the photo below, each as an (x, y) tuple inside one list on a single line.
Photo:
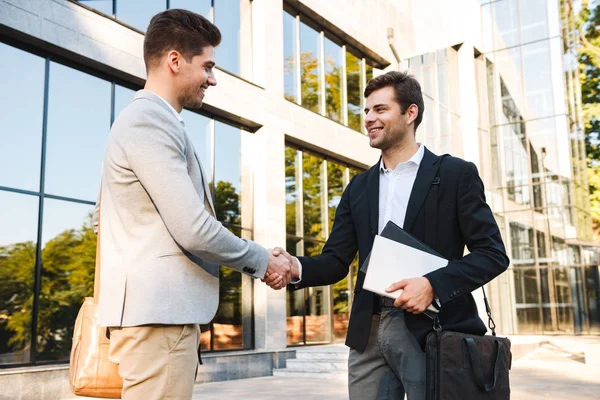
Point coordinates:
[(386, 337)]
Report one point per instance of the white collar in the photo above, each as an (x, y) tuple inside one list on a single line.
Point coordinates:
[(178, 115), (415, 159)]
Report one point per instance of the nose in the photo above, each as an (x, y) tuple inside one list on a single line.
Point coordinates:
[(212, 81), (370, 118)]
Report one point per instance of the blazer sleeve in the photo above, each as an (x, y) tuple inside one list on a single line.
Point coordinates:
[(487, 258), (333, 264), (155, 151)]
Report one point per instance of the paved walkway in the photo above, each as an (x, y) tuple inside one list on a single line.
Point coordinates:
[(555, 371)]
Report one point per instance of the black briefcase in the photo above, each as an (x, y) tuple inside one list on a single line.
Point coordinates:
[(467, 367)]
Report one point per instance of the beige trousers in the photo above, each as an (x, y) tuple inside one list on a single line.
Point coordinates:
[(156, 361)]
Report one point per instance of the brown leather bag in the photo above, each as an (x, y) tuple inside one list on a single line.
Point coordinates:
[(91, 373)]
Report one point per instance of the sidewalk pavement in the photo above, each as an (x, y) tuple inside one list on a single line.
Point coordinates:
[(555, 371)]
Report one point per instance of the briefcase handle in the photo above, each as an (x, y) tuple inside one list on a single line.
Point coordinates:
[(476, 366)]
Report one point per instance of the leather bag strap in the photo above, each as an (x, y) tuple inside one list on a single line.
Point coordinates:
[(476, 366), (431, 207)]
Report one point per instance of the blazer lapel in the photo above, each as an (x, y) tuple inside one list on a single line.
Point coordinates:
[(207, 193), (373, 197), (420, 188)]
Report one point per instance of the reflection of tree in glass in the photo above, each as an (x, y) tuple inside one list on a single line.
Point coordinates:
[(335, 187), (291, 188), (17, 263), (311, 192), (227, 203), (68, 263), (354, 93), (310, 81)]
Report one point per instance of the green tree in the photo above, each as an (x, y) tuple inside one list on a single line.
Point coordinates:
[(68, 264), (227, 203), (588, 26)]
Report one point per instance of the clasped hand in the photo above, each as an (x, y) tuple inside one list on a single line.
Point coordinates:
[(280, 270)]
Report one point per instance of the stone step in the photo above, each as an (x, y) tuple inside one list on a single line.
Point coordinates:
[(322, 355), (316, 366), (284, 372)]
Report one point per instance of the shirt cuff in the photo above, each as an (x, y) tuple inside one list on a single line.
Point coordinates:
[(295, 281)]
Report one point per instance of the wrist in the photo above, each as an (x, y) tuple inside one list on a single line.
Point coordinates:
[(295, 269)]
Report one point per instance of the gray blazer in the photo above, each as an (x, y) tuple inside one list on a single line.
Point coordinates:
[(160, 243)]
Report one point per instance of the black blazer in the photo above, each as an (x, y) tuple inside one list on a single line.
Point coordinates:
[(464, 219)]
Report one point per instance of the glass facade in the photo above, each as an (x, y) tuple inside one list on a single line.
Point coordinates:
[(314, 187), (531, 156), (438, 74), (321, 73), (48, 187)]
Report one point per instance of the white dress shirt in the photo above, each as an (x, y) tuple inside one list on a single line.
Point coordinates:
[(395, 187)]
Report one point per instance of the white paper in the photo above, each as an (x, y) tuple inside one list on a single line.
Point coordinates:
[(392, 262)]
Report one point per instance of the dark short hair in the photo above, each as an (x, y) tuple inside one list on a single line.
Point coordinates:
[(181, 30), (407, 90)]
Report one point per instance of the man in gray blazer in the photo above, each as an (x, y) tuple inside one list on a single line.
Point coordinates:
[(160, 242)]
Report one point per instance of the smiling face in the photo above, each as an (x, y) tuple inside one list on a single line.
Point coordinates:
[(195, 77), (386, 125)]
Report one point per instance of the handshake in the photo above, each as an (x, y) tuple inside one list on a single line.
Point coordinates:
[(282, 268)]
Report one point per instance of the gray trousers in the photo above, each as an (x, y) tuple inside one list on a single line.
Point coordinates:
[(392, 364)]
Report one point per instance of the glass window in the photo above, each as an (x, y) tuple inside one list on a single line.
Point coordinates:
[(227, 18), (317, 318), (134, 14), (78, 126), (507, 23), (537, 71), (228, 174), (228, 324), (310, 71), (104, 6), (21, 113), (290, 64), (293, 195), (527, 301), (534, 25), (443, 83), (333, 80), (335, 188), (68, 263), (592, 288), (18, 238), (312, 188), (295, 326), (202, 7), (521, 238), (123, 97), (354, 90), (199, 128)]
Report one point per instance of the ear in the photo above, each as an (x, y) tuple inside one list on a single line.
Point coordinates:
[(412, 113), (174, 61)]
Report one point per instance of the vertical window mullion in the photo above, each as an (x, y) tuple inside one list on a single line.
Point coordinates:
[(363, 84), (299, 205), (213, 162), (344, 89), (38, 261), (322, 90), (297, 62)]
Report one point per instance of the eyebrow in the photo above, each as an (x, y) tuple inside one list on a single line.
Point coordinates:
[(209, 64), (375, 106)]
